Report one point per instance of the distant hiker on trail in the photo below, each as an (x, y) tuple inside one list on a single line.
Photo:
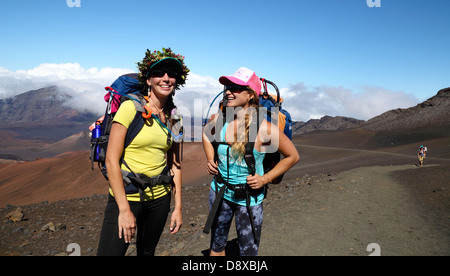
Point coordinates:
[(421, 155), (142, 207), (238, 192)]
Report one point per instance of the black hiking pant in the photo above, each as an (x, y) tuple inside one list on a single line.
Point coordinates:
[(151, 217)]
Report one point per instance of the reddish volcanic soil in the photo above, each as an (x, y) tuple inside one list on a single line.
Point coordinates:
[(342, 196)]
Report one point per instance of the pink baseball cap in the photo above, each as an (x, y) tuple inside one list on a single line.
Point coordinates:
[(245, 77)]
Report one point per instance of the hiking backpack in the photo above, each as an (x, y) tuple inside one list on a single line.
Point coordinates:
[(127, 87), (275, 111), (284, 122), (124, 88), (282, 119)]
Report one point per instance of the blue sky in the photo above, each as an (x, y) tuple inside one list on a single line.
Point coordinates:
[(315, 45)]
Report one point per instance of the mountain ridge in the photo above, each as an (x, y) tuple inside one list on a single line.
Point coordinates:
[(25, 137), (39, 107)]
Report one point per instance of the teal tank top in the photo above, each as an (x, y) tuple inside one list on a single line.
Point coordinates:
[(238, 171)]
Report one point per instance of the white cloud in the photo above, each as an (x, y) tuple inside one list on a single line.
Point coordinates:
[(196, 96), (85, 85), (302, 101)]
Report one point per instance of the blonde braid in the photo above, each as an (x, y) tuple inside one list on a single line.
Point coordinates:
[(238, 146)]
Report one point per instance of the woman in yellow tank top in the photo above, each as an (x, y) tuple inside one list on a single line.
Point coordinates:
[(144, 214)]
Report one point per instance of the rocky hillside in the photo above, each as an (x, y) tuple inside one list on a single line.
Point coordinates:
[(42, 106), (427, 120), (32, 121), (434, 111), (326, 123)]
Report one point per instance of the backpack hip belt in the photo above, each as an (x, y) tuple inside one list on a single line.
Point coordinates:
[(142, 181), (240, 190), (134, 181)]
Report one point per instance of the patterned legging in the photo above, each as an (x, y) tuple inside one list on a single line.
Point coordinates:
[(222, 223)]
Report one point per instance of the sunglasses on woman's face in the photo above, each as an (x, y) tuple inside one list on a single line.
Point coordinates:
[(235, 88), (162, 73)]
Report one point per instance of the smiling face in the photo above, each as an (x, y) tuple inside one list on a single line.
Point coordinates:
[(162, 81), (238, 96)]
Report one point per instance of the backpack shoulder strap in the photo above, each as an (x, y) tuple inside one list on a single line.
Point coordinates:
[(249, 157), (135, 127), (216, 137), (138, 121), (139, 101)]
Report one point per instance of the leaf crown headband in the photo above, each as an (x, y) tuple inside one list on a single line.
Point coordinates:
[(151, 59)]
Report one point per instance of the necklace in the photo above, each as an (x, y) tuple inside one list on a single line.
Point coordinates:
[(160, 111)]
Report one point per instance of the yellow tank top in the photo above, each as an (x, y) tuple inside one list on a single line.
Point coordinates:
[(147, 152)]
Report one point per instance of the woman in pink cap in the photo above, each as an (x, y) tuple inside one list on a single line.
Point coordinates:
[(235, 191)]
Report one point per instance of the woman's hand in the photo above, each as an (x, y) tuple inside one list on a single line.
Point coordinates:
[(257, 181), (212, 167), (127, 225), (176, 221)]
